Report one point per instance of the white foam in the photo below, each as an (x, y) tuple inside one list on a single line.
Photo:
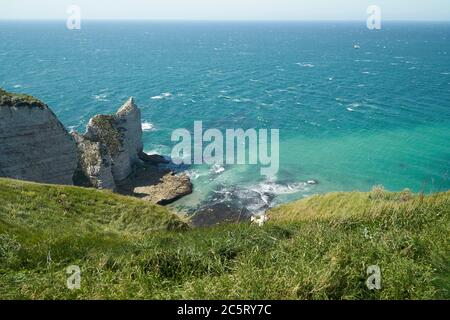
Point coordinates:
[(262, 196), (354, 105), (101, 97), (192, 174), (276, 188), (147, 126), (162, 96), (217, 169), (305, 65)]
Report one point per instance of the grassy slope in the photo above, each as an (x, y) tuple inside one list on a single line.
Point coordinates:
[(315, 248)]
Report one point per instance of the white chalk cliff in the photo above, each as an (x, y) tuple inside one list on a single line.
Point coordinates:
[(110, 148), (34, 145)]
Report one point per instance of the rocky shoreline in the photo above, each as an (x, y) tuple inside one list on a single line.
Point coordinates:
[(35, 146)]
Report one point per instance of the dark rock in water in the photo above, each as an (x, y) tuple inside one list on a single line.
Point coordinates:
[(34, 145), (230, 206), (218, 213), (170, 188), (153, 159), (156, 185)]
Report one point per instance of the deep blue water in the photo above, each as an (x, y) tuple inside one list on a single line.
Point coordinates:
[(349, 118)]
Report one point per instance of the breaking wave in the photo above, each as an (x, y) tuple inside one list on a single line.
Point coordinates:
[(147, 126)]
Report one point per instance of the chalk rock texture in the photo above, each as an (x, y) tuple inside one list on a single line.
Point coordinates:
[(121, 134), (34, 145), (94, 166)]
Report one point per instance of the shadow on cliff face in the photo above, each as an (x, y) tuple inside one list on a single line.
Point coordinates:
[(34, 145)]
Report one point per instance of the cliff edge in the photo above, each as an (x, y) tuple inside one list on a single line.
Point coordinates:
[(34, 145)]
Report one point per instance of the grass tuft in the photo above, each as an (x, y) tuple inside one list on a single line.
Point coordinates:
[(316, 248)]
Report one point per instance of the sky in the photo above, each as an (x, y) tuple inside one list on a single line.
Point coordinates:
[(227, 9)]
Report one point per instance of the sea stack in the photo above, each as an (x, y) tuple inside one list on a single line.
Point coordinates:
[(111, 146), (34, 145)]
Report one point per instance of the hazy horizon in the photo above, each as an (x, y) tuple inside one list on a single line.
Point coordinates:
[(217, 20), (227, 10)]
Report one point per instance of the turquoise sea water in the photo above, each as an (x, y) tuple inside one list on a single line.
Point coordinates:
[(348, 118)]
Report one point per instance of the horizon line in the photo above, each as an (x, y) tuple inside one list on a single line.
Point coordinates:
[(215, 20)]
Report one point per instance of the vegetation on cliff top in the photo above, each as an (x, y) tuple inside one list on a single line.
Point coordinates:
[(108, 134), (19, 100), (317, 248)]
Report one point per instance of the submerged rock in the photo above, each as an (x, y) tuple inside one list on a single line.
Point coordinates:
[(34, 145), (218, 213)]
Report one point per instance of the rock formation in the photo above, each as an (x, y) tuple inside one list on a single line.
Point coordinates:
[(34, 145), (156, 184), (169, 188), (111, 157), (121, 134), (94, 166)]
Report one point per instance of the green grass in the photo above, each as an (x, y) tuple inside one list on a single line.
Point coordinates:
[(317, 248), (19, 100)]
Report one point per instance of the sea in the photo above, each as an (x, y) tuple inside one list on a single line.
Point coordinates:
[(354, 107)]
